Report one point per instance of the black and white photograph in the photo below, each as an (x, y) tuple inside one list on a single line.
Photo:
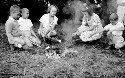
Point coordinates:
[(62, 38)]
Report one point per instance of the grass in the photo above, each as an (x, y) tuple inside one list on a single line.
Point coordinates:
[(79, 61)]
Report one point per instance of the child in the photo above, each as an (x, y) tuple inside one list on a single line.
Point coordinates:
[(90, 24), (12, 27), (115, 31), (26, 29), (48, 22)]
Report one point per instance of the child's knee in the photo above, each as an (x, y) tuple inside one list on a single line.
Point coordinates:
[(28, 43), (39, 42), (22, 42), (118, 45)]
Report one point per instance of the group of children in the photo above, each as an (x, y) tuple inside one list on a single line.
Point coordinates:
[(114, 32), (91, 28), (19, 29), (20, 33)]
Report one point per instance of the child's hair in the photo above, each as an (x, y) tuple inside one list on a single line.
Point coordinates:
[(23, 10), (49, 8), (113, 17), (89, 11), (14, 9)]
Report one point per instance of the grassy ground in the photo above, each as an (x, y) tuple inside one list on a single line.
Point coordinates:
[(79, 61)]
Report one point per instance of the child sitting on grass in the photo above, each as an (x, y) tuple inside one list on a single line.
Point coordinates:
[(48, 22), (12, 28), (115, 31), (26, 29)]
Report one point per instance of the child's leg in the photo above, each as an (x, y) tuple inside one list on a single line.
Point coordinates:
[(28, 42), (52, 33), (35, 40), (110, 41), (119, 42), (119, 45), (19, 40)]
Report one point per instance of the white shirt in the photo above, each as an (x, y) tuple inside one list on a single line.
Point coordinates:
[(45, 20), (111, 27), (25, 24)]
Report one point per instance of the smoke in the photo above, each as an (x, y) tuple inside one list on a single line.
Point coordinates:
[(69, 26), (74, 8)]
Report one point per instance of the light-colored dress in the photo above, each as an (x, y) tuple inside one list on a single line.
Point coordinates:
[(85, 35), (47, 25)]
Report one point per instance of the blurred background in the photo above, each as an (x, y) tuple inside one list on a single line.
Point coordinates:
[(38, 7)]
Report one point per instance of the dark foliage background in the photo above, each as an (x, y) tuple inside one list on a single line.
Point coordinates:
[(38, 8), (78, 61)]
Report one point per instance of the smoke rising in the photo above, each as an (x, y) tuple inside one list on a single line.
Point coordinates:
[(73, 8)]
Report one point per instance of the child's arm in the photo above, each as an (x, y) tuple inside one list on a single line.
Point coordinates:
[(42, 21), (119, 29), (32, 32), (53, 25), (91, 27), (101, 30), (41, 25), (9, 30), (48, 31)]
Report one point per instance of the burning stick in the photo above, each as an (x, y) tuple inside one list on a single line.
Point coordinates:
[(55, 39)]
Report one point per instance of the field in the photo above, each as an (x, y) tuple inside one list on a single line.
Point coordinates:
[(87, 60)]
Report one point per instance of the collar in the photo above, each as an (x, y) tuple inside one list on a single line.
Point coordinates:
[(22, 18)]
